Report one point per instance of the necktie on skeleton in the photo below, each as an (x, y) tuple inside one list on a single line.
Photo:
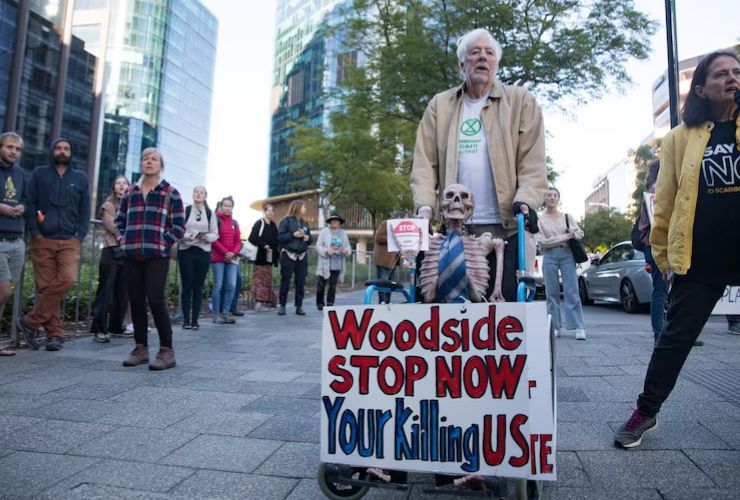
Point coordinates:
[(453, 282)]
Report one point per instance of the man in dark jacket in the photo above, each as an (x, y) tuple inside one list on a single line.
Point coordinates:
[(57, 217), (12, 247)]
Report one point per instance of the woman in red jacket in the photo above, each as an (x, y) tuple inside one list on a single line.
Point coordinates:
[(224, 261)]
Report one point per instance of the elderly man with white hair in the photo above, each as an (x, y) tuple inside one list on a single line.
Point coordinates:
[(489, 137)]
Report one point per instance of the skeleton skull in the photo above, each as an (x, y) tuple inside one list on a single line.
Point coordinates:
[(457, 203)]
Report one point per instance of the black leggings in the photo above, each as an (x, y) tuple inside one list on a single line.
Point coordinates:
[(146, 280), (194, 265), (691, 304)]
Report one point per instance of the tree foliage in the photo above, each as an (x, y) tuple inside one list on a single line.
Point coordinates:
[(605, 228), (562, 50)]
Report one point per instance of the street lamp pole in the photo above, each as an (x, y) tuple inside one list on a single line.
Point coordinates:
[(670, 29)]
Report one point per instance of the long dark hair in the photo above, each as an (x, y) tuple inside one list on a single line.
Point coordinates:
[(697, 110), (112, 197)]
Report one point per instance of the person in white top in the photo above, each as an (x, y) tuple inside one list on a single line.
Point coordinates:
[(558, 260), (194, 255), (490, 137)]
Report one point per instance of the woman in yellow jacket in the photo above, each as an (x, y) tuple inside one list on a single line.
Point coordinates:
[(697, 199)]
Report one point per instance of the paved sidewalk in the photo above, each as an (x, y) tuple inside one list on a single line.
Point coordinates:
[(238, 417)]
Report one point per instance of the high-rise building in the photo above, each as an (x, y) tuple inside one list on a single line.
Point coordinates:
[(46, 80), (305, 68), (159, 62)]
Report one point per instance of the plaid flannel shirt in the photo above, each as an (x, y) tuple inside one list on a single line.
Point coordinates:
[(147, 227)]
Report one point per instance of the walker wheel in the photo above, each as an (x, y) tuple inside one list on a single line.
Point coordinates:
[(338, 491)]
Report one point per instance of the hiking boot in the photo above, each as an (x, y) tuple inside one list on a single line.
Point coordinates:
[(54, 343), (630, 434), (299, 311), (237, 313), (218, 318), (228, 318), (165, 359), (138, 356), (30, 334), (281, 310), (580, 334)]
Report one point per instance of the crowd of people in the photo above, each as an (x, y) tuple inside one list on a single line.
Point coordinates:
[(145, 225)]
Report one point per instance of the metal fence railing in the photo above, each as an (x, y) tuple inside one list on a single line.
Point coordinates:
[(77, 306)]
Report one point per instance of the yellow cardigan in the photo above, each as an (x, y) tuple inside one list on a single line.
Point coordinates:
[(676, 191)]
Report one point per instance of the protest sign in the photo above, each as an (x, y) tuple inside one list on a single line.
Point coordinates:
[(406, 235), (729, 303), (449, 388)]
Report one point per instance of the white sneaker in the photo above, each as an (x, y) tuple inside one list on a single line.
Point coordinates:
[(580, 334), (556, 333)]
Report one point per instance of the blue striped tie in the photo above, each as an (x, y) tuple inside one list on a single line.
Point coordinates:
[(452, 282)]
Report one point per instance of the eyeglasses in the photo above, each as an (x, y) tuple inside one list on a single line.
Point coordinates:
[(198, 214)]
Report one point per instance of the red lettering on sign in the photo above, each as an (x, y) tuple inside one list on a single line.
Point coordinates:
[(506, 326), (350, 329), (335, 368)]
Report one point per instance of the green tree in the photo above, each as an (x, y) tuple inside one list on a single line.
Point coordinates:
[(604, 228), (564, 51)]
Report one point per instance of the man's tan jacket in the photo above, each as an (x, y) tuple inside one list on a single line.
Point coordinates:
[(515, 135)]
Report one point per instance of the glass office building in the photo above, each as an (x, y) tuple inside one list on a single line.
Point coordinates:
[(40, 91), (306, 66), (159, 60)]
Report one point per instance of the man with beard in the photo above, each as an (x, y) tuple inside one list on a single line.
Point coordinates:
[(12, 248), (57, 218)]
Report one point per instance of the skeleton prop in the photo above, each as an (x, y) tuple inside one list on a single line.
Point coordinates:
[(457, 206)]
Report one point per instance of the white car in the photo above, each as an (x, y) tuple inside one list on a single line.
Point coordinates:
[(539, 278)]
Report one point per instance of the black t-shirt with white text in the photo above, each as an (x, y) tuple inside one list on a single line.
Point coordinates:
[(715, 257)]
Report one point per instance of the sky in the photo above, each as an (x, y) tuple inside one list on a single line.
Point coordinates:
[(583, 145)]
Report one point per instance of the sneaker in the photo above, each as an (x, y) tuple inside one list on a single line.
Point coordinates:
[(228, 318), (237, 313), (733, 328), (138, 356), (30, 334), (261, 307), (281, 310), (121, 333), (55, 343), (320, 307), (698, 343), (218, 318), (299, 311), (165, 359), (630, 434), (580, 334), (195, 326), (186, 325), (101, 337)]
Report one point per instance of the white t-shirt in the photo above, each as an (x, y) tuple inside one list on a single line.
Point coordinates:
[(474, 166)]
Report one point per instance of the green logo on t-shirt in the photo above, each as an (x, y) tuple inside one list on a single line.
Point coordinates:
[(471, 126)]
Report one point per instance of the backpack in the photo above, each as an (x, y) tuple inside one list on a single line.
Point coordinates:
[(189, 208), (639, 236)]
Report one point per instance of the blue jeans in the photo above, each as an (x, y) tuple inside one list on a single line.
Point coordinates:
[(658, 298), (385, 273), (224, 276), (560, 260), (237, 290)]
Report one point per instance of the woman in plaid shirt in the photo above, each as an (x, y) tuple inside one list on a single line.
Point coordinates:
[(150, 220)]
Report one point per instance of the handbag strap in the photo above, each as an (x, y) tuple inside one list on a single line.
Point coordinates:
[(567, 226)]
